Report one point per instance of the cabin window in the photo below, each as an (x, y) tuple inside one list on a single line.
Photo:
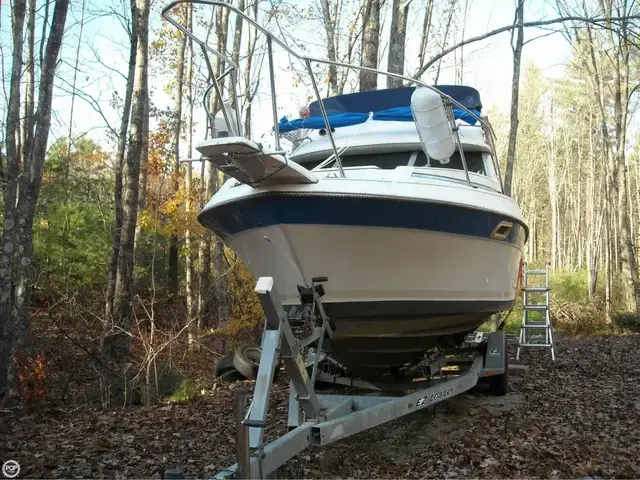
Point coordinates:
[(476, 161)]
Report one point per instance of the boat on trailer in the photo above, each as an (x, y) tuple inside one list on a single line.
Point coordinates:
[(418, 251), (380, 239)]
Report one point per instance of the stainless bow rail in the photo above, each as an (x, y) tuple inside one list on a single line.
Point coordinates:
[(232, 70)]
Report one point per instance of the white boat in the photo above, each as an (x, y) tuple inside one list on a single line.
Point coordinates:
[(416, 256), (394, 195)]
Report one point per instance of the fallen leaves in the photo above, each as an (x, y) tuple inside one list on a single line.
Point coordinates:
[(575, 418)]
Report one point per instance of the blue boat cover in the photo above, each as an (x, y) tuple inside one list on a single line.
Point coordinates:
[(403, 114), (336, 120), (377, 100)]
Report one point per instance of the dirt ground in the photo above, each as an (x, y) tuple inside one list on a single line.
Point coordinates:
[(576, 418)]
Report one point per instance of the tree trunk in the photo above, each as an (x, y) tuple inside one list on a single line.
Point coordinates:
[(192, 326), (553, 201), (592, 256), (330, 30), (249, 90), (515, 89), (177, 129), (116, 344), (397, 36), (204, 253), (444, 40), (426, 29), (30, 87), (627, 255), (122, 144), (10, 224), (370, 41)]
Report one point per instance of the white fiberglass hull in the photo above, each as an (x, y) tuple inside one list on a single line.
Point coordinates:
[(406, 273)]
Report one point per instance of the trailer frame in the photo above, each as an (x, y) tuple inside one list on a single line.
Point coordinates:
[(320, 419)]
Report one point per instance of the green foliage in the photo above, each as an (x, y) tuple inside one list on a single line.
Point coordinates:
[(187, 390), (627, 321), (572, 311), (569, 286), (72, 228)]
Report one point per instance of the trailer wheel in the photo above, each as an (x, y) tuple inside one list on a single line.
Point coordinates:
[(224, 364), (499, 384), (225, 370)]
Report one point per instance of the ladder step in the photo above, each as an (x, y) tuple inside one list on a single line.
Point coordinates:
[(535, 307), (547, 345), (536, 272), (541, 326), (536, 289)]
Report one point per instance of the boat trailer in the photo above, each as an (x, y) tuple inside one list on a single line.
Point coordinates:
[(317, 419)]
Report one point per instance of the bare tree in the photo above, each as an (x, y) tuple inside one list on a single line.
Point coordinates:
[(250, 88), (9, 230), (329, 15), (515, 89), (115, 345), (177, 130), (119, 164), (370, 42), (16, 271), (397, 36)]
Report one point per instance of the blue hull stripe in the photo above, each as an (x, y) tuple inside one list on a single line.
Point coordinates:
[(367, 211)]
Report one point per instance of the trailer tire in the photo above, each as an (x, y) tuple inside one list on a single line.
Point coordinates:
[(499, 384), (226, 371), (224, 364)]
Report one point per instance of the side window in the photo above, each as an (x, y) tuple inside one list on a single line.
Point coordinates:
[(475, 162)]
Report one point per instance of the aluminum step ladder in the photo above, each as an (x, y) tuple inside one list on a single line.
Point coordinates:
[(535, 313)]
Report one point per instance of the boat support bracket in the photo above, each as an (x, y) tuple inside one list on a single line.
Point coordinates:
[(318, 420)]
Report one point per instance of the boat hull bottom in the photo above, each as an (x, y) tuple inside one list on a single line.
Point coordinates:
[(371, 345)]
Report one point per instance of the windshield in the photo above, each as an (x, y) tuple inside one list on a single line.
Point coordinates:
[(476, 161)]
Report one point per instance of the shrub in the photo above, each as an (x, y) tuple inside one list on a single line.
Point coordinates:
[(31, 375), (627, 321), (584, 316)]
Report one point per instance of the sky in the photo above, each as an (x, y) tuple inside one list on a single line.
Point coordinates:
[(104, 54)]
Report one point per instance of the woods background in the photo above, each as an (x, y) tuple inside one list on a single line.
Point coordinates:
[(108, 282)]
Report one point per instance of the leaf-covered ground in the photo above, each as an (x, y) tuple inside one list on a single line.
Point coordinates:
[(574, 418)]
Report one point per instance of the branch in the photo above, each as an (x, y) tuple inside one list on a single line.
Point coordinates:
[(507, 28)]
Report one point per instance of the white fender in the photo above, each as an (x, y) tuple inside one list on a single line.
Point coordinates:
[(432, 124)]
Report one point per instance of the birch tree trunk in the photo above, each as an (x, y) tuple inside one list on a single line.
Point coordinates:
[(515, 90), (553, 201), (592, 257), (397, 36), (370, 41)]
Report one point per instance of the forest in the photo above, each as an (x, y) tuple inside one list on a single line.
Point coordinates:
[(107, 274)]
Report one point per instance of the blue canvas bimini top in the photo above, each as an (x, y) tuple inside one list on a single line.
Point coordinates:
[(337, 120), (391, 104)]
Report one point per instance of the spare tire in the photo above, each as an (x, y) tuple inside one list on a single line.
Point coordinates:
[(246, 361), (224, 364)]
